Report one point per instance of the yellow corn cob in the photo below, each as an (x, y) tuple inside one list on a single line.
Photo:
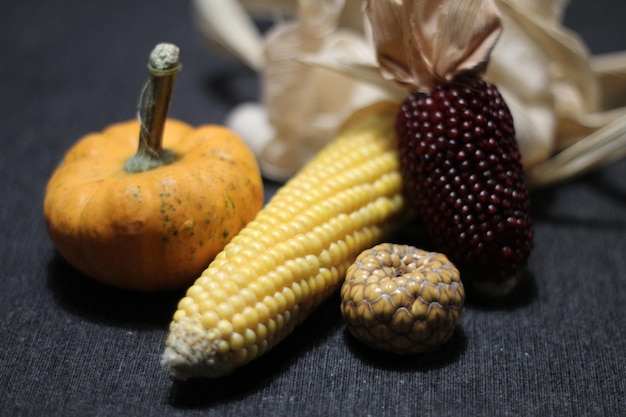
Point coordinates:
[(284, 263)]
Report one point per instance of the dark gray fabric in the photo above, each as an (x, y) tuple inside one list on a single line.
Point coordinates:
[(72, 347)]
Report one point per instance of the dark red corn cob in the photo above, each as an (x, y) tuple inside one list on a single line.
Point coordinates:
[(463, 175)]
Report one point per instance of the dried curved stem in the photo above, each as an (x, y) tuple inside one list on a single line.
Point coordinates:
[(154, 106)]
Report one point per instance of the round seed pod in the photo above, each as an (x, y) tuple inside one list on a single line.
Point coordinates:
[(401, 299)]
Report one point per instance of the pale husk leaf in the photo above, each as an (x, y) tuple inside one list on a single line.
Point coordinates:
[(303, 104), (227, 26)]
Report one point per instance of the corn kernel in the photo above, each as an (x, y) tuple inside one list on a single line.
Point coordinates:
[(236, 342), (286, 273), (277, 256), (315, 242), (325, 259), (258, 349), (272, 305), (249, 297), (290, 297), (225, 310), (281, 301), (261, 331), (268, 285), (188, 305), (264, 262), (429, 291), (210, 319), (280, 324), (223, 346), (303, 267), (267, 241), (257, 289), (298, 249), (212, 335), (304, 287), (271, 327), (240, 356), (225, 328), (249, 337), (218, 295), (195, 291), (263, 311), (313, 262), (286, 249), (237, 302)]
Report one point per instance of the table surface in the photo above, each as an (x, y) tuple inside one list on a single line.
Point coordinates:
[(73, 347)]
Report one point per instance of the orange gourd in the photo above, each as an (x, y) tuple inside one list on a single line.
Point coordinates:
[(153, 219)]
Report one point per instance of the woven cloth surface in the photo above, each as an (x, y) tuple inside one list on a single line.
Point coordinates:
[(73, 347)]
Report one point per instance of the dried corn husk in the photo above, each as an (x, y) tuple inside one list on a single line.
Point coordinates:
[(421, 43), (318, 65), (302, 104)]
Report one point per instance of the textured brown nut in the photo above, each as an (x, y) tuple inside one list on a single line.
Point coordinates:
[(402, 299)]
